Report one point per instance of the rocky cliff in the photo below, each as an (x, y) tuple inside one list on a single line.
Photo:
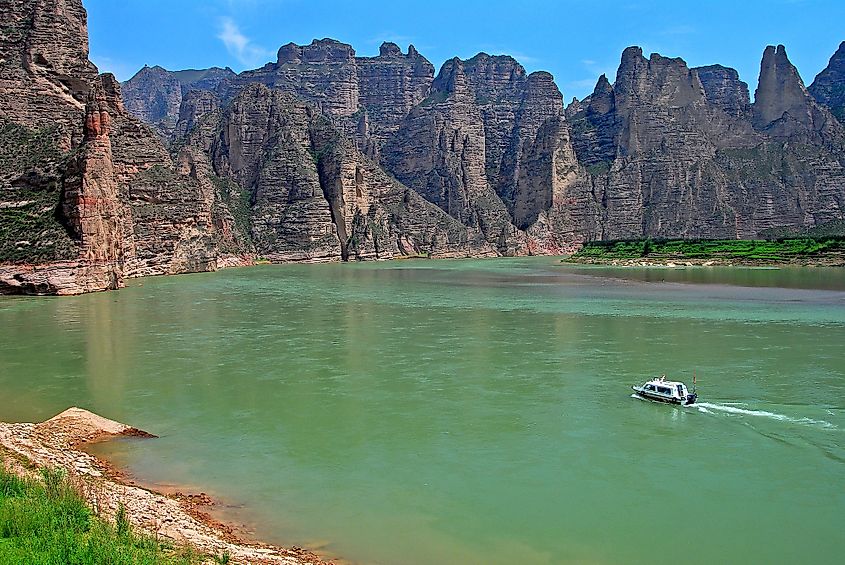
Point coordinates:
[(829, 87), (306, 193), (89, 194), (155, 95), (679, 152), (323, 155)]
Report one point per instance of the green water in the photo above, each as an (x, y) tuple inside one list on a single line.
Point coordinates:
[(469, 411)]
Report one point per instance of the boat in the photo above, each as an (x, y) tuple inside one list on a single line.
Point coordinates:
[(661, 390)]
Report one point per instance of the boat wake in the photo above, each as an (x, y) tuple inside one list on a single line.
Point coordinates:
[(730, 409), (734, 408)]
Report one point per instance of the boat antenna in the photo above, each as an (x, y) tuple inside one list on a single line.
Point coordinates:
[(693, 381)]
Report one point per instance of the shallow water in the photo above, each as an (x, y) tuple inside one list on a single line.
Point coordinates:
[(469, 411)]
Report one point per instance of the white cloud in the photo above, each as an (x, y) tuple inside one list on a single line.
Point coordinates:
[(240, 46)]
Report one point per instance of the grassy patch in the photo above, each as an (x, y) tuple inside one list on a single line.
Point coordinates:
[(437, 97), (237, 200), (47, 521), (779, 250)]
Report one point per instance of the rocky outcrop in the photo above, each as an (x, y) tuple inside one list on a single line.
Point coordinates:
[(782, 106), (440, 152), (154, 95), (379, 218), (264, 148), (58, 184), (462, 148), (196, 104), (723, 89), (390, 86), (90, 202), (555, 201), (367, 96), (829, 86), (58, 444)]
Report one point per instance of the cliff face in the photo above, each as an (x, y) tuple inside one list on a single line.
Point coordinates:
[(463, 147), (829, 87), (723, 89), (155, 95), (89, 193), (679, 152), (308, 194), (45, 75)]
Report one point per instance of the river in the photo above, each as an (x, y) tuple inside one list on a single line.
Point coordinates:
[(468, 411)]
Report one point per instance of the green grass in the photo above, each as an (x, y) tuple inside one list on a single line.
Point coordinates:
[(47, 522), (779, 250)]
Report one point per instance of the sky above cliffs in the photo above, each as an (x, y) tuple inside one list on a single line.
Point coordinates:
[(575, 41)]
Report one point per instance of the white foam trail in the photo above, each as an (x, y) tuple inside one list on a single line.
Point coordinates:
[(764, 414)]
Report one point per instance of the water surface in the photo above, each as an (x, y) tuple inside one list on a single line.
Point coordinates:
[(469, 411)]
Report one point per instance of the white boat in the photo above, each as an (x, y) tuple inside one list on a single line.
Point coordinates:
[(661, 390)]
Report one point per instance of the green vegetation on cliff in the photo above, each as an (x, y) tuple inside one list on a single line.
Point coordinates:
[(47, 521), (788, 250), (31, 177)]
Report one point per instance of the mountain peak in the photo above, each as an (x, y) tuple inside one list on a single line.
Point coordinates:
[(829, 86), (389, 49), (780, 90)]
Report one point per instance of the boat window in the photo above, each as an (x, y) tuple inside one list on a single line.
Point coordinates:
[(649, 387), (680, 390), (664, 390)]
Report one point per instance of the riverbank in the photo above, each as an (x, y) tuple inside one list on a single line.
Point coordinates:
[(805, 251), (59, 442)]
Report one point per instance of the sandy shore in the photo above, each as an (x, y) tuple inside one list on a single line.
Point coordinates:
[(177, 517)]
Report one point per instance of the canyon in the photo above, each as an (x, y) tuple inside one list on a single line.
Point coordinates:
[(324, 155)]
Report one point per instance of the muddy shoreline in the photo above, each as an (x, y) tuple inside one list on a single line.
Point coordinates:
[(180, 517)]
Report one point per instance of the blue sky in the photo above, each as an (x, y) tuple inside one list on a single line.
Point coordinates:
[(574, 40)]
